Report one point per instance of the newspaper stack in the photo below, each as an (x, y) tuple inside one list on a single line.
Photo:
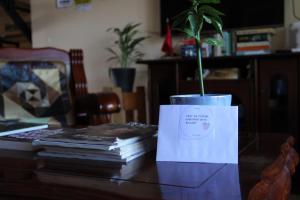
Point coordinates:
[(107, 142)]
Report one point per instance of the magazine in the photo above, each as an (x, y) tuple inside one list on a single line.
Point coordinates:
[(8, 127), (101, 137), (23, 141), (128, 155), (120, 152)]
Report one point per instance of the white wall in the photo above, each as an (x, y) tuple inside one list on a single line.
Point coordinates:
[(68, 28)]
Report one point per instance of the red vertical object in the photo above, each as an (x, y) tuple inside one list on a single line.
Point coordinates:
[(167, 45)]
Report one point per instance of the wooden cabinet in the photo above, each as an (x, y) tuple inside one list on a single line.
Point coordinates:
[(266, 91), (277, 95)]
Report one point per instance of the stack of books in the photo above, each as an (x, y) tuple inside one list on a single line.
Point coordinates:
[(107, 142), (253, 42)]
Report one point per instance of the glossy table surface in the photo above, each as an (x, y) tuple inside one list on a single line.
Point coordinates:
[(23, 176)]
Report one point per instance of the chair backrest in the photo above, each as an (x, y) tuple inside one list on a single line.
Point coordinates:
[(36, 83), (79, 79), (275, 180), (135, 101)]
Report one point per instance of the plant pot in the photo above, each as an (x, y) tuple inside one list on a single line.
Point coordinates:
[(197, 99), (123, 78)]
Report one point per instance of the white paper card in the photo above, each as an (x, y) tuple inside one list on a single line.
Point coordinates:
[(192, 133)]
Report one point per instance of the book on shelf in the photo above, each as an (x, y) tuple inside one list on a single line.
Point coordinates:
[(250, 44), (253, 48), (23, 141), (254, 52), (256, 31), (295, 50), (254, 37), (8, 127), (107, 142)]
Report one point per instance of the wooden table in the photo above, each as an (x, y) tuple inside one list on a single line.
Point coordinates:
[(25, 177)]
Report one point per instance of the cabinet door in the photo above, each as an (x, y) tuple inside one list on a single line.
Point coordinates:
[(277, 95)]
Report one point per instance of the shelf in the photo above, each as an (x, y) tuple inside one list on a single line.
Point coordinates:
[(252, 92)]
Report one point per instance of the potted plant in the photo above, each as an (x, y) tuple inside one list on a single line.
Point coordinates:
[(124, 52), (193, 20)]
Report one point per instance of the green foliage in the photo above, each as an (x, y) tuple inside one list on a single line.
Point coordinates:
[(125, 50), (193, 19), (196, 16)]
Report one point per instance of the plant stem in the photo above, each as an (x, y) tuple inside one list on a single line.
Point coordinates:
[(199, 62)]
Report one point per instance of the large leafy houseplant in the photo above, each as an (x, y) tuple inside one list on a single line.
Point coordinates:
[(125, 46), (191, 22), (124, 52)]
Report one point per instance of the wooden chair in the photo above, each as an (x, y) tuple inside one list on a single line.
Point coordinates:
[(135, 101), (72, 85), (275, 183), (91, 108)]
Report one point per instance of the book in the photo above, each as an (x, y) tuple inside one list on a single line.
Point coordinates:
[(256, 31), (251, 44), (254, 52), (8, 127), (227, 47), (253, 48), (119, 152), (90, 156), (23, 141), (254, 37)]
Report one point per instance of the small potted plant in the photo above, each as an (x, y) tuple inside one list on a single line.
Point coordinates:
[(193, 19), (125, 52)]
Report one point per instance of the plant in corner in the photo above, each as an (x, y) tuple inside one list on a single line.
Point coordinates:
[(125, 52), (193, 19)]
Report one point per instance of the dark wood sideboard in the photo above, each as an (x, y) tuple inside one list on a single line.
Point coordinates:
[(267, 90)]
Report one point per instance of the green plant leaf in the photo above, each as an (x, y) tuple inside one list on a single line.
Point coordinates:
[(218, 27), (207, 19), (194, 22), (180, 19), (129, 27), (188, 32), (209, 1), (137, 41), (213, 41), (112, 51), (126, 43), (210, 10)]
